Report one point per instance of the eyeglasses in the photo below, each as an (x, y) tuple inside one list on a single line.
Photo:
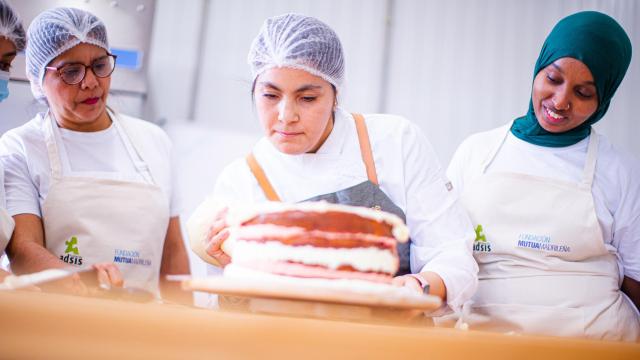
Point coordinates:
[(74, 73)]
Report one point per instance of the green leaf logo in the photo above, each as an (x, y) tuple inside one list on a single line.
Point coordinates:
[(479, 234), (72, 246)]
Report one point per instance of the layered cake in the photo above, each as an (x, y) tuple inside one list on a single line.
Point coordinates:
[(314, 241)]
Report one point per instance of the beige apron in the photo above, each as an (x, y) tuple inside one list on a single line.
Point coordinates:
[(544, 268), (89, 220)]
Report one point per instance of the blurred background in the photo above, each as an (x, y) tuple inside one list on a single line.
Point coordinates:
[(454, 67)]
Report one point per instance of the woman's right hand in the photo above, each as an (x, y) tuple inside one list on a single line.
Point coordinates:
[(107, 276), (218, 233)]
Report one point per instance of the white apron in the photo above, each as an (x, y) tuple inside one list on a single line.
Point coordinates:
[(89, 220), (544, 268)]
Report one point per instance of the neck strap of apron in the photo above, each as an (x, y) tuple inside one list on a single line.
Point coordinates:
[(589, 170), (52, 146), (138, 162), (263, 181), (495, 150), (365, 148), (53, 149), (592, 158), (365, 152)]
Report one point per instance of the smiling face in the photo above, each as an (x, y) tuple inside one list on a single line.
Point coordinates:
[(295, 109), (79, 107), (7, 53), (564, 95)]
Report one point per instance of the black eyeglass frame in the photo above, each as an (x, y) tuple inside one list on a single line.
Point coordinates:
[(60, 69)]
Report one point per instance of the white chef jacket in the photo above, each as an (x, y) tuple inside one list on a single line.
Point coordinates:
[(616, 185), (408, 172)]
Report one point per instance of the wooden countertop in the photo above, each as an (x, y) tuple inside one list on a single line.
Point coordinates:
[(51, 326)]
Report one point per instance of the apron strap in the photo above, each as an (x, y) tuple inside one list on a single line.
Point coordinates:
[(494, 151), (138, 162), (365, 148), (53, 150), (592, 158), (589, 166), (263, 181), (52, 146), (365, 151)]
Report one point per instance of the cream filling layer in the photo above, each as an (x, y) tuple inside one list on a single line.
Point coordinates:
[(361, 259), (269, 231)]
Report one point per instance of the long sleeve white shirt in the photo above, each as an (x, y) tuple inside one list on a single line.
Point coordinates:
[(408, 172)]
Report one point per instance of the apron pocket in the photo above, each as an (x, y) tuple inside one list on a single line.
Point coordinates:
[(528, 319)]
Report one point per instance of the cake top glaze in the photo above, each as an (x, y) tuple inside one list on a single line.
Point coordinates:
[(241, 214)]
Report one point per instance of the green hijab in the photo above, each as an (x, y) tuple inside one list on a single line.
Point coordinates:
[(602, 45)]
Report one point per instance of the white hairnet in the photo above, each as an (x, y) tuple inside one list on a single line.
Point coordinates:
[(55, 31), (299, 42), (11, 27)]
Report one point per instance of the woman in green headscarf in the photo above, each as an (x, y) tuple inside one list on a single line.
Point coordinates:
[(555, 207)]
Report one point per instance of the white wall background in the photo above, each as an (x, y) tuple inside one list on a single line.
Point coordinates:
[(459, 66), (454, 67)]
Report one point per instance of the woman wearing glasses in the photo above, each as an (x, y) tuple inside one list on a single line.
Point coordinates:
[(87, 186)]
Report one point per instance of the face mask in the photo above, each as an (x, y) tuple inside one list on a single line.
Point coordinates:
[(4, 85)]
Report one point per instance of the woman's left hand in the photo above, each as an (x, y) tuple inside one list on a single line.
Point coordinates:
[(408, 281), (437, 287)]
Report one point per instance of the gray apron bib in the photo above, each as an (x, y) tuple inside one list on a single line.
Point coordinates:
[(368, 194)]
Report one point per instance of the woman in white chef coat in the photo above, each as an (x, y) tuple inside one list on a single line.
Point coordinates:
[(85, 185), (314, 150), (12, 41), (555, 206)]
